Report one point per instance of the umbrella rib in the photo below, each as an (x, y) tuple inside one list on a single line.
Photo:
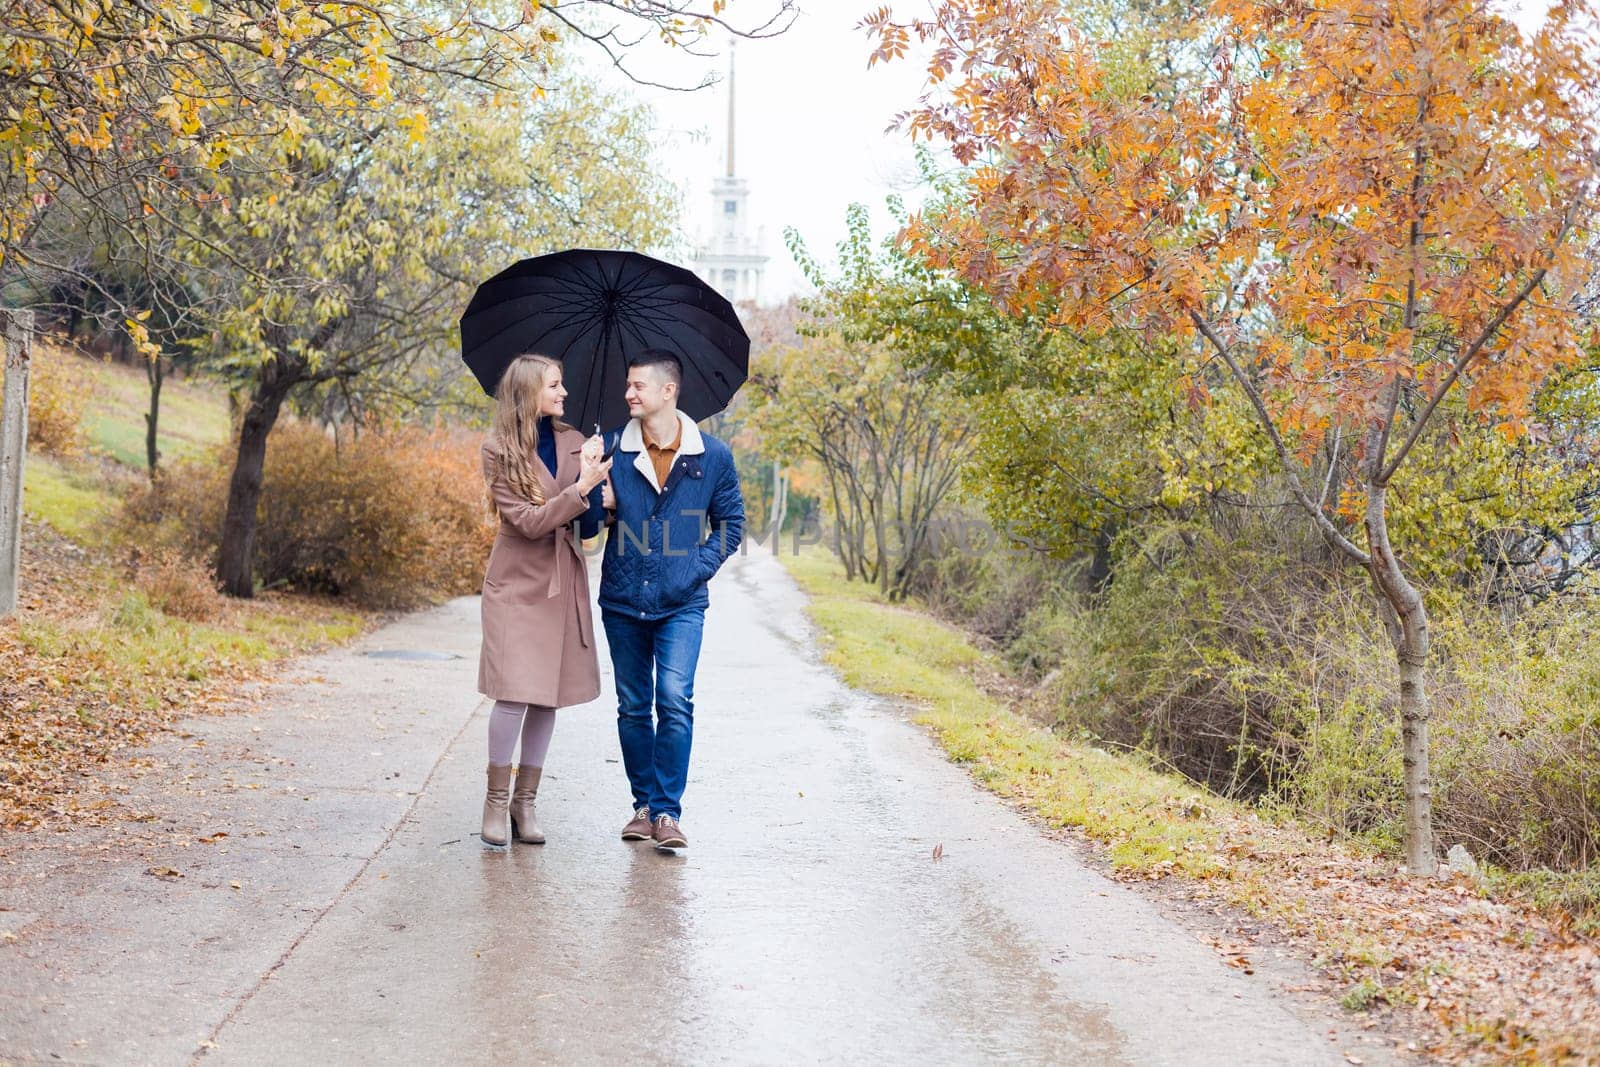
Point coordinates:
[(571, 318), (572, 287)]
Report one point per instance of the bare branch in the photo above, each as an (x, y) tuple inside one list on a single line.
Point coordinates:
[(1320, 517)]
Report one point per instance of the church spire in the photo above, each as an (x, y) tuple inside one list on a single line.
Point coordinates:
[(731, 46), (730, 257)]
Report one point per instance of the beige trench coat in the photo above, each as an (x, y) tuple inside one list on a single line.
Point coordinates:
[(538, 632)]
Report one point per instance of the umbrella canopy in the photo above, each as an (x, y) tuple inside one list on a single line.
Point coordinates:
[(593, 310)]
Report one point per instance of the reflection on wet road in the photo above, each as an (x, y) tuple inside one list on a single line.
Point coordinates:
[(808, 922)]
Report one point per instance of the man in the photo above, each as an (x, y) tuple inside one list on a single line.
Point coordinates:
[(679, 515)]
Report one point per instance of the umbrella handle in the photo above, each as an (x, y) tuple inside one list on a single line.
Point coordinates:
[(609, 451)]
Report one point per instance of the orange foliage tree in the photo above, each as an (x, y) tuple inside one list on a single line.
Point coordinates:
[(1354, 210)]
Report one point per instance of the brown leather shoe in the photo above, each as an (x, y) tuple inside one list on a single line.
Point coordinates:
[(668, 834), (638, 828)]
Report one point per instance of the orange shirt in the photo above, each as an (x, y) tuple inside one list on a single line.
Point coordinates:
[(661, 456)]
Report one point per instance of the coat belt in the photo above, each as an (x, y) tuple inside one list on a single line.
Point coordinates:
[(564, 537)]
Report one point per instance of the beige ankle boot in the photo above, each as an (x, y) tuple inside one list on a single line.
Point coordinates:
[(524, 826), (496, 804)]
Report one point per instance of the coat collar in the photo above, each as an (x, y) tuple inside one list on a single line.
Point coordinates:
[(569, 443), (690, 444)]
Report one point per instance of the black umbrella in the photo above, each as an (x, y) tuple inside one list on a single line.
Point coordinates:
[(593, 310)]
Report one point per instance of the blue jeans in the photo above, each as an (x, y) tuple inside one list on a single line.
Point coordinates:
[(654, 662)]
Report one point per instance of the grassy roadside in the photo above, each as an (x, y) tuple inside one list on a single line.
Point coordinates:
[(1473, 964), (108, 645), (73, 500), (94, 666), (1147, 820)]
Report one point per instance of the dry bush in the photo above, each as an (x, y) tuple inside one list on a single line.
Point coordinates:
[(178, 585), (389, 519), (1258, 668), (1519, 733), (55, 404)]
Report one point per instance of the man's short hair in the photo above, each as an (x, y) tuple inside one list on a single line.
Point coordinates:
[(660, 357)]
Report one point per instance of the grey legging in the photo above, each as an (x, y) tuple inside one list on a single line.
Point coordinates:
[(534, 722)]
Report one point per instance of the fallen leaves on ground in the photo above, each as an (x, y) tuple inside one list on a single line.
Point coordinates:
[(71, 701), (1485, 974), (1490, 980)]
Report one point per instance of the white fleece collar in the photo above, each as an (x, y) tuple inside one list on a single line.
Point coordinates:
[(690, 444)]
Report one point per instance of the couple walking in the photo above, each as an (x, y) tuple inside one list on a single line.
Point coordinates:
[(673, 514)]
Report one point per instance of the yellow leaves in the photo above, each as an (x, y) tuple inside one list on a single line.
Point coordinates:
[(168, 111), (1511, 430), (139, 333), (81, 132), (416, 127), (294, 130)]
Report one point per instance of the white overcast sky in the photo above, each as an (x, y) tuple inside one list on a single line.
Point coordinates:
[(811, 124)]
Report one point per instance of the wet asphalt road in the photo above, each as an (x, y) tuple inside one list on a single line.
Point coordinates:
[(807, 922)]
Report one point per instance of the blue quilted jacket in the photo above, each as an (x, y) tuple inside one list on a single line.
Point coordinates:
[(667, 541)]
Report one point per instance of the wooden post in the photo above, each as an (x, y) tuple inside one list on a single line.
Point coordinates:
[(17, 330), (780, 505), (783, 503), (777, 488)]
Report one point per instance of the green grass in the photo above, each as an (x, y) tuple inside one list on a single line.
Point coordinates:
[(120, 439), (133, 654), (194, 414), (1146, 818), (76, 504), (293, 632), (1363, 995)]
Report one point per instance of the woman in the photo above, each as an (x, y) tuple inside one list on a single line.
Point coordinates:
[(538, 637)]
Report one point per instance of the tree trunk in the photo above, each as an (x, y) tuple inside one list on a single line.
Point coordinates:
[(1407, 623), (236, 557), (152, 419)]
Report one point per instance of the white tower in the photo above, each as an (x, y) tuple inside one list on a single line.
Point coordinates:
[(731, 258)]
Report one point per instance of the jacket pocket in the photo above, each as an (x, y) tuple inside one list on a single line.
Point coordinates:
[(680, 584)]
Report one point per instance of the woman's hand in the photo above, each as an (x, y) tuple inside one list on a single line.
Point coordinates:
[(593, 471), (594, 448)]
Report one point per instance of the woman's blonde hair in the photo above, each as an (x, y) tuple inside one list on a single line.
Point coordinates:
[(516, 424)]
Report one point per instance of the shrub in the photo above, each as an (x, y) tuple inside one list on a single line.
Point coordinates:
[(179, 586), (55, 404), (1254, 667), (390, 519)]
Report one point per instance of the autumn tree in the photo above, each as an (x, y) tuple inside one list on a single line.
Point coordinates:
[(348, 249), (891, 438), (1360, 210), (1083, 436), (118, 120), (148, 97)]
